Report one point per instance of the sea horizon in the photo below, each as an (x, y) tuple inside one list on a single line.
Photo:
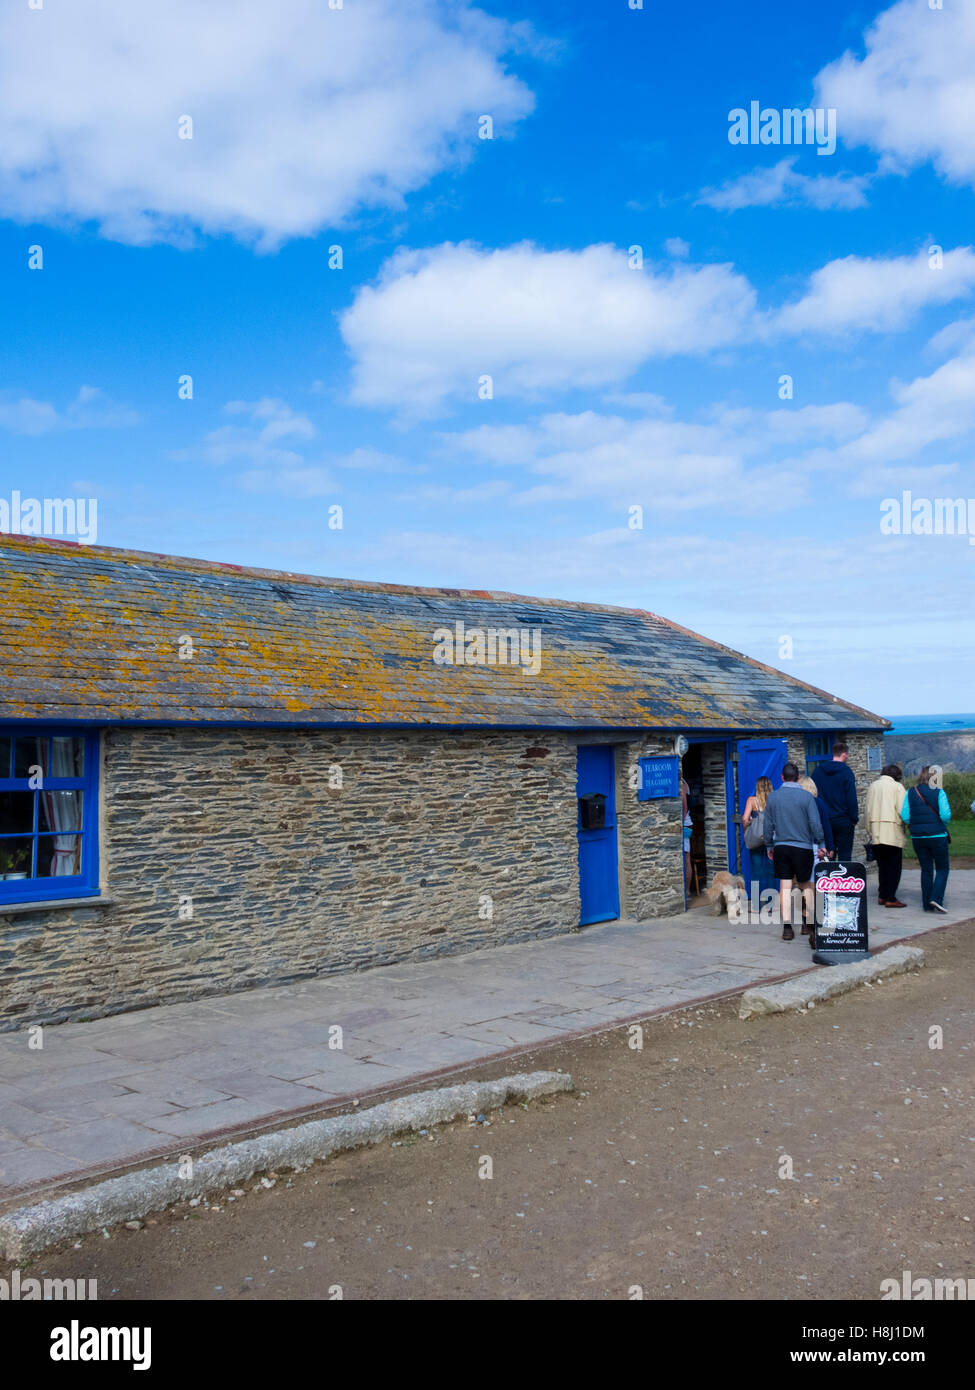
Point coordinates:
[(931, 723)]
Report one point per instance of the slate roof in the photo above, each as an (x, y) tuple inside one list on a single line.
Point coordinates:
[(91, 633)]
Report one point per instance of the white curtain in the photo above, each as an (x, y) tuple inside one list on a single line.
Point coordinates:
[(63, 808)]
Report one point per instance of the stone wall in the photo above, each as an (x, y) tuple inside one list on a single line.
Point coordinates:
[(650, 839), (857, 761), (715, 807), (302, 853)]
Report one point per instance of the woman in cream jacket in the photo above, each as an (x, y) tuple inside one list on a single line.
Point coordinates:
[(885, 831)]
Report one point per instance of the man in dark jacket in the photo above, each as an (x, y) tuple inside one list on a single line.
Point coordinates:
[(838, 798)]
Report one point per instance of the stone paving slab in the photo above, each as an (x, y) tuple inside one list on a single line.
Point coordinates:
[(118, 1091)]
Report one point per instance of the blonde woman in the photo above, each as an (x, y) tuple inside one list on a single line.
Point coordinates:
[(828, 848), (755, 811)]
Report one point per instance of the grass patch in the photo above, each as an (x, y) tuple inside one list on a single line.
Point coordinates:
[(962, 840)]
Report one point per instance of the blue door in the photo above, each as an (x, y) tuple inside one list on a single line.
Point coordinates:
[(757, 757), (599, 889)]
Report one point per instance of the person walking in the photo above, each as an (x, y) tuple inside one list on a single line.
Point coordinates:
[(793, 829), (926, 813), (753, 824), (885, 831), (838, 798)]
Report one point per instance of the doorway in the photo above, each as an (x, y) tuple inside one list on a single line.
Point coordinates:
[(709, 773)]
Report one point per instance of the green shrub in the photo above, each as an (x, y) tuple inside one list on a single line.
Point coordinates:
[(960, 791)]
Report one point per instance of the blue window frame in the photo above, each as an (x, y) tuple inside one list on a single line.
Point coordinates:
[(819, 747), (48, 814)]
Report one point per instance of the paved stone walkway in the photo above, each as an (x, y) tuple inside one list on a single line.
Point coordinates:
[(118, 1091)]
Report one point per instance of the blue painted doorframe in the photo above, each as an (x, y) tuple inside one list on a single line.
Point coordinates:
[(599, 888)]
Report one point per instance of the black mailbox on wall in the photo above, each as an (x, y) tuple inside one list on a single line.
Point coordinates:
[(592, 811)]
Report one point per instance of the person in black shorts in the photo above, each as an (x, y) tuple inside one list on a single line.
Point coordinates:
[(793, 829)]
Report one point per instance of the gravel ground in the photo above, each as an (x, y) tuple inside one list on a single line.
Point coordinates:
[(666, 1171)]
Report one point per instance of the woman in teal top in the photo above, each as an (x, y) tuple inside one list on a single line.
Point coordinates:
[(926, 812)]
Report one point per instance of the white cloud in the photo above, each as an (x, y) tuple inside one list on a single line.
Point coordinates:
[(782, 185), (261, 440), (91, 409), (912, 95), (860, 293), (666, 466), (301, 113), (533, 320), (954, 337), (272, 440), (539, 322), (929, 410), (766, 460), (801, 424)]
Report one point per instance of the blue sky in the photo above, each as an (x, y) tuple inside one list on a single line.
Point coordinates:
[(615, 385)]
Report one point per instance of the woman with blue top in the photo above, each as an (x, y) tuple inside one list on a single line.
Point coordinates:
[(926, 813)]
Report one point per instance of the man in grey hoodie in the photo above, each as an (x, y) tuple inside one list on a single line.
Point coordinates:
[(793, 829)]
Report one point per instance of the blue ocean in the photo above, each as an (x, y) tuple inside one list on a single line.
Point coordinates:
[(930, 723)]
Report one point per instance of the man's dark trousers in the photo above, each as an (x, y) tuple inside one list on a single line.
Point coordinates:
[(843, 835)]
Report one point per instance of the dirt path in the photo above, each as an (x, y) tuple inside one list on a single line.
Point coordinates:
[(663, 1171)]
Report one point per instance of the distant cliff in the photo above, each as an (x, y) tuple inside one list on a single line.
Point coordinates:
[(955, 751)]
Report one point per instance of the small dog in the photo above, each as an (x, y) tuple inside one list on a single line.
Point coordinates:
[(727, 892)]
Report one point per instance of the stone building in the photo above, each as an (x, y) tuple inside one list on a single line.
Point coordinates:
[(216, 777)]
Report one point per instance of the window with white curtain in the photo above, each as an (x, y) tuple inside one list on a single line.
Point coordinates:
[(48, 810)]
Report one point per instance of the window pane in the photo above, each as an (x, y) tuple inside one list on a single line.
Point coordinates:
[(58, 856), (16, 812), (6, 751), (28, 752), (66, 756), (15, 858), (59, 811)]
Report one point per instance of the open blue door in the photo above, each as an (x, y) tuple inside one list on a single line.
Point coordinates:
[(757, 757), (599, 889)]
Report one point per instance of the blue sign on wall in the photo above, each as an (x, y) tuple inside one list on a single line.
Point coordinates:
[(658, 777)]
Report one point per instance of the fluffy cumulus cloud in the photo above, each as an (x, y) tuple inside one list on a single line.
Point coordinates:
[(307, 114), (533, 320), (910, 97), (539, 322), (882, 294), (783, 185)]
